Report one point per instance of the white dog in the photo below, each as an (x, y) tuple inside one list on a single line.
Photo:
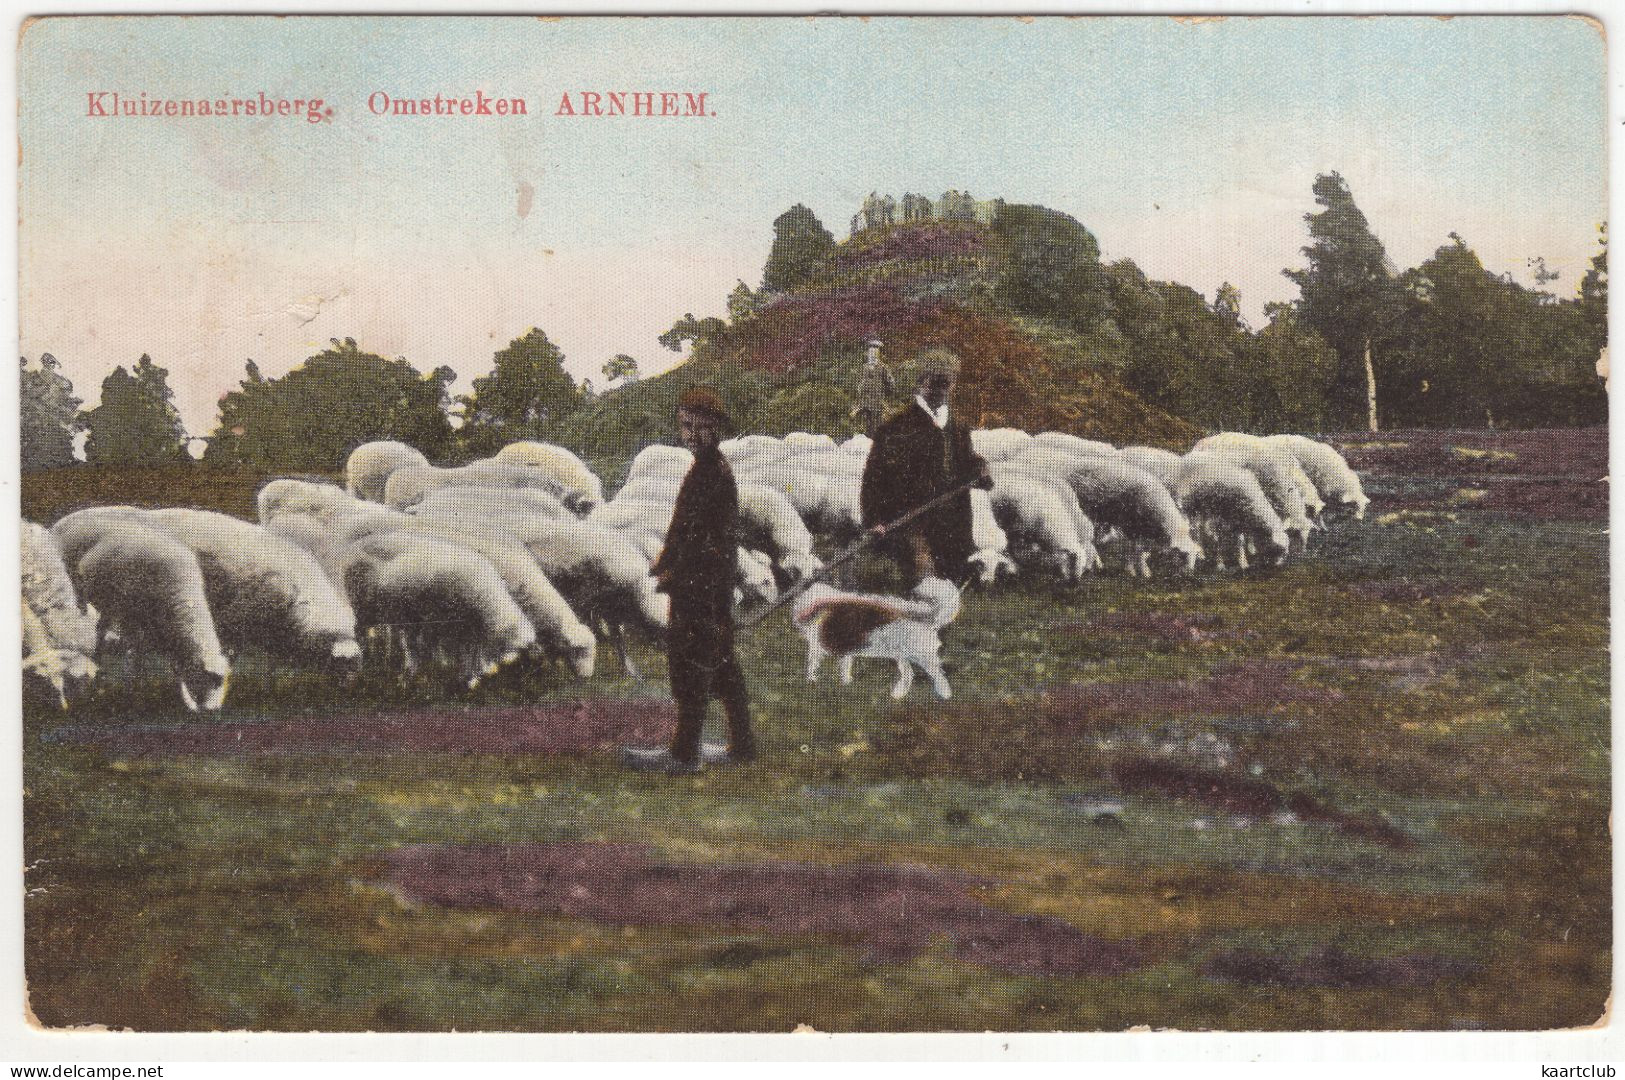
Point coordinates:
[(846, 625)]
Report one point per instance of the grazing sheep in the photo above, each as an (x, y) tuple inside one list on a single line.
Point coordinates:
[(602, 574), (408, 485), (1278, 474), (822, 488), (526, 500), (1130, 500), (559, 632), (440, 596), (316, 500), (65, 671), (564, 466), (1035, 518), (1054, 478), (264, 590), (754, 578), (1071, 444), (47, 588), (1228, 505), (992, 545), (1163, 464), (999, 444), (802, 440), (1338, 484), (1241, 441), (369, 466), (149, 590), (660, 460)]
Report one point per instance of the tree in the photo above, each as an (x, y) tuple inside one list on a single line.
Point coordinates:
[(49, 415), (1052, 266), (312, 417), (137, 422), (688, 328), (1349, 295), (801, 245), (1227, 305), (527, 394), (1290, 369), (621, 366), (1594, 291), (742, 302)]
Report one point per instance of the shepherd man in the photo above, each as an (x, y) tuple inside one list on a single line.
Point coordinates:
[(920, 454), (696, 569)]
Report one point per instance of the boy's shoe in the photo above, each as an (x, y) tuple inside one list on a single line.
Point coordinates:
[(641, 759), (714, 753)]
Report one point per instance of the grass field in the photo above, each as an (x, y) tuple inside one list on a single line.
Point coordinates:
[(1367, 790)]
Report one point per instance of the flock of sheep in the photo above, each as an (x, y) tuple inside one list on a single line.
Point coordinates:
[(520, 557)]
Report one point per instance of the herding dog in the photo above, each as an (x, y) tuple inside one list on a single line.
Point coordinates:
[(845, 625)]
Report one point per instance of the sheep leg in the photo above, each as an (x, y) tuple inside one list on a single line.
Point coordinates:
[(846, 670), (905, 679), (939, 681)]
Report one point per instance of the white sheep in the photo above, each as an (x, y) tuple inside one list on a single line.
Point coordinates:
[(438, 595), (1338, 484), (1052, 474), (149, 590), (1163, 464), (407, 485), (999, 444), (1282, 458), (63, 670), (367, 469), (1131, 500), (1072, 444), (263, 589), (1035, 518), (1228, 505), (1278, 474), (992, 544), (528, 500), (802, 440), (859, 446), (568, 469), (48, 589), (660, 460), (559, 632), (822, 487), (604, 576), (312, 499)]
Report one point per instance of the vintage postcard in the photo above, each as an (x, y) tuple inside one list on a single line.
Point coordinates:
[(752, 524)]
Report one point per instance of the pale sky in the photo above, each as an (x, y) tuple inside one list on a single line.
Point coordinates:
[(1188, 148)]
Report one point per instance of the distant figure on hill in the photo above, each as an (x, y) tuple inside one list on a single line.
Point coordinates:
[(918, 455), (875, 388)]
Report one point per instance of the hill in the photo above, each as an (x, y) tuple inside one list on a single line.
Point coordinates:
[(996, 293)]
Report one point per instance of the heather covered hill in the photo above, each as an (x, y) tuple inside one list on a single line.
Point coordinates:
[(1006, 302)]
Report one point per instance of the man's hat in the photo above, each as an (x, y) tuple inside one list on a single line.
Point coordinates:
[(939, 362), (703, 399)]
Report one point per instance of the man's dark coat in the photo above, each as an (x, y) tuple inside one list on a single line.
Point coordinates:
[(913, 461)]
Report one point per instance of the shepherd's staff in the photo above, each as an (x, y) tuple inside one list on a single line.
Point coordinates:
[(850, 552)]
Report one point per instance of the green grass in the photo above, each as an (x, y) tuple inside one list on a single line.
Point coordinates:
[(174, 892)]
